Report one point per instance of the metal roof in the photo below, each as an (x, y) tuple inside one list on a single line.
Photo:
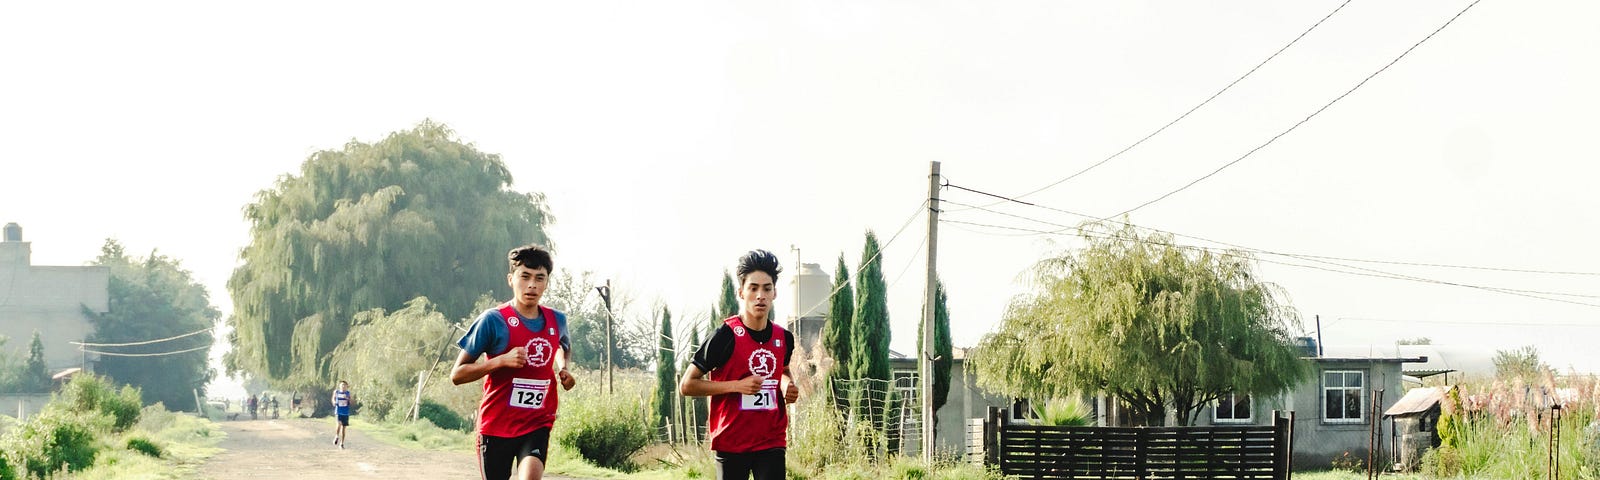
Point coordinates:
[(1417, 400)]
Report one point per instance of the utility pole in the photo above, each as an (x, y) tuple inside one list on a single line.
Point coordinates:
[(928, 310), (605, 296)]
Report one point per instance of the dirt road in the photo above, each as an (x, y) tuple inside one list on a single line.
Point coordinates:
[(302, 449)]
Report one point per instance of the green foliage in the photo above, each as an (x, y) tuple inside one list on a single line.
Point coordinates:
[(606, 429), (1523, 363), (699, 407), (145, 446), (57, 438), (666, 372), (150, 298), (1450, 418), (35, 375), (384, 351), (869, 334), (1146, 321), (943, 350), (728, 305), (586, 323), (1067, 411), (836, 330), (7, 472), (442, 416), (91, 394), (372, 226)]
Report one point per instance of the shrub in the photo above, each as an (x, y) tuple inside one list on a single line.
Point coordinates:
[(94, 394), (54, 440), (145, 446), (6, 471), (442, 416), (604, 429), (1070, 412)]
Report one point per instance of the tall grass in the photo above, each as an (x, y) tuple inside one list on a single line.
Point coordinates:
[(1505, 430)]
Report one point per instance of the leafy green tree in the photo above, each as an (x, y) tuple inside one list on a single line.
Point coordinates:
[(586, 323), (666, 370), (943, 351), (1523, 363), (385, 351), (419, 213), (1145, 321), (869, 334), (35, 374), (154, 298), (836, 333)]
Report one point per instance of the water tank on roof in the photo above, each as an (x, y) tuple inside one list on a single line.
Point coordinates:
[(1307, 346), (13, 232)]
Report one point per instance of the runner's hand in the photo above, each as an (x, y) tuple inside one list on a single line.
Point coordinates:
[(750, 385), (516, 358), (791, 393), (566, 379)]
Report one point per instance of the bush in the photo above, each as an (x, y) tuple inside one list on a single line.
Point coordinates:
[(1069, 412), (442, 416), (54, 440), (94, 394), (145, 446), (604, 429), (6, 471)]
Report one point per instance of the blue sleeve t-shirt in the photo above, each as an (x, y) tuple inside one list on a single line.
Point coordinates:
[(489, 333)]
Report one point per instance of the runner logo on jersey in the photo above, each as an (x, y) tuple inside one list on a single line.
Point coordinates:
[(763, 363), (513, 321), (738, 331), (539, 352)]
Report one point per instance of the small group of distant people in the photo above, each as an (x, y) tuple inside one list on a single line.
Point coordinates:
[(522, 351)]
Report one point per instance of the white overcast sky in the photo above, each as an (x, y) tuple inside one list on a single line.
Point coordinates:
[(671, 136)]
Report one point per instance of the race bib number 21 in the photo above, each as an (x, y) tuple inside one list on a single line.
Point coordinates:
[(529, 393), (766, 399)]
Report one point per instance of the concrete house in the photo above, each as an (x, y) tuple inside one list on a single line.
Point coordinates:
[(49, 299)]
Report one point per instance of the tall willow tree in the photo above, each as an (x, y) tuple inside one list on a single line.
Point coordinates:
[(1148, 322), (151, 298), (418, 213)]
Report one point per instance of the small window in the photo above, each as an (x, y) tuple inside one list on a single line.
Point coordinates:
[(1343, 394), (1232, 408)]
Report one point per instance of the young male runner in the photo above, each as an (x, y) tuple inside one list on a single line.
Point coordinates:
[(520, 338), (745, 359), (341, 411)]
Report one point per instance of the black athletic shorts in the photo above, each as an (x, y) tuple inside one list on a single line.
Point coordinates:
[(763, 465), (496, 453), (344, 420)]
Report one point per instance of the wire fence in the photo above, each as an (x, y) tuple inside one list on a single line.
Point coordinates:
[(879, 415)]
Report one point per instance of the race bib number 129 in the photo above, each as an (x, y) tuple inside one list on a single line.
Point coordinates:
[(529, 393)]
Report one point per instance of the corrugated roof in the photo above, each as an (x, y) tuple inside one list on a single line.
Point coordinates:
[(1417, 400)]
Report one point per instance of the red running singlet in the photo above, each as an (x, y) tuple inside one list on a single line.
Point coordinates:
[(750, 423), (519, 401)]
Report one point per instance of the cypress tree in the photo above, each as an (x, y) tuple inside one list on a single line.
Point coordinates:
[(666, 370), (836, 333), (869, 335)]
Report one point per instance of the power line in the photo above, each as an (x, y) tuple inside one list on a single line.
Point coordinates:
[(1302, 121), (146, 342), (1260, 250), (112, 354), (1191, 110), (875, 256), (1535, 294)]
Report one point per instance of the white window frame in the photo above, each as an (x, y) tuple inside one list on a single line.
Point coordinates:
[(1230, 399), (1360, 413)]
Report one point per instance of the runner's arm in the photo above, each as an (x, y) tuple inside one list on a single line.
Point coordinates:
[(694, 384), (468, 369)]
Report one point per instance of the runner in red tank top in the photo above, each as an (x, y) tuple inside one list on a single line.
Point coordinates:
[(747, 360), (521, 340)]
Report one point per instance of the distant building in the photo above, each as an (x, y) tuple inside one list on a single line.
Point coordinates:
[(49, 299), (810, 289)]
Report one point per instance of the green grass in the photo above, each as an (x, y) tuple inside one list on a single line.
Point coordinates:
[(419, 435), (186, 440)]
